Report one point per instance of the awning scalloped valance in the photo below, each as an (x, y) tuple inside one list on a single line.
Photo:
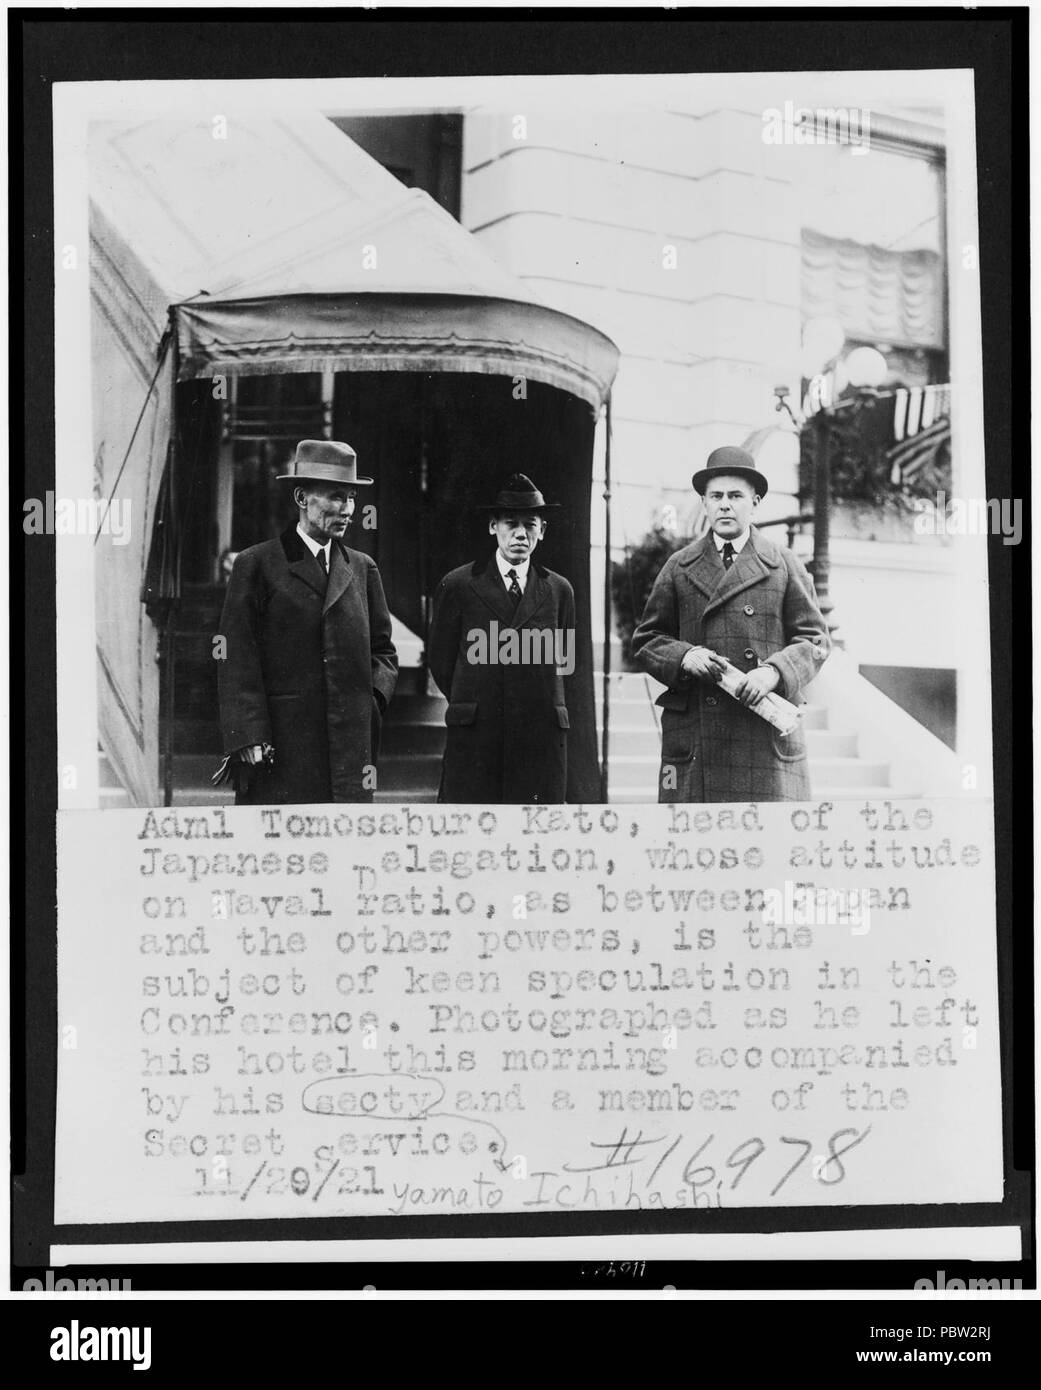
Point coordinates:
[(395, 332), (878, 294)]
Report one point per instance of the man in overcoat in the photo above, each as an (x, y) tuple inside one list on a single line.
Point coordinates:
[(736, 595), (309, 666), (501, 642)]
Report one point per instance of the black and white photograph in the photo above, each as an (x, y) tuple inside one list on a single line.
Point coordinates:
[(534, 681), (626, 301)]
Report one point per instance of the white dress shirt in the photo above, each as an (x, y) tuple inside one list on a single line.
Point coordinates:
[(520, 570), (314, 547), (738, 542)]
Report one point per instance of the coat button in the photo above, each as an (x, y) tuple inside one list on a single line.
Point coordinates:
[(749, 654), (711, 700), (749, 609)]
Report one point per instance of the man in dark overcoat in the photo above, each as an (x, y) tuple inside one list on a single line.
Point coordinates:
[(732, 594), (502, 641), (308, 664)]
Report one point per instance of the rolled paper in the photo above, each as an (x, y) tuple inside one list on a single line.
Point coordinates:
[(775, 709)]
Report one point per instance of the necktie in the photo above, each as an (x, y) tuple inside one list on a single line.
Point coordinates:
[(515, 591), (728, 554), (324, 563)]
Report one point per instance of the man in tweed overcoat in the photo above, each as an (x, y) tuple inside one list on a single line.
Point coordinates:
[(736, 595)]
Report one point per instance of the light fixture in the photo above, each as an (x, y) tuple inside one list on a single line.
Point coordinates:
[(866, 367)]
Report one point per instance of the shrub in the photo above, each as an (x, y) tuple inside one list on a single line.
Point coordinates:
[(633, 578)]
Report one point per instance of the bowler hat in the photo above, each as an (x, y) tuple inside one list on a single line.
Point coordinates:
[(324, 461), (518, 494), (733, 463)]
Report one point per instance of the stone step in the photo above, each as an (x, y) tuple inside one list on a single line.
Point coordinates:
[(627, 771), (641, 794), (625, 682), (867, 792), (625, 706), (412, 799), (405, 775), (825, 743), (848, 772), (648, 793), (410, 740), (202, 796), (416, 709), (644, 744), (112, 799)]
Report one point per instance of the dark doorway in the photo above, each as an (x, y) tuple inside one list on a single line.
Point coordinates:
[(438, 445)]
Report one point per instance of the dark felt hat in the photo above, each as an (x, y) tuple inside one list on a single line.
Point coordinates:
[(518, 494), (733, 463), (324, 461)]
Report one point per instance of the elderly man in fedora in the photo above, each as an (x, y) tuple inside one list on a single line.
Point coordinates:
[(309, 666), (734, 595), (502, 642)]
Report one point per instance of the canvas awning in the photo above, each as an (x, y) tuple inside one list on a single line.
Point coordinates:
[(394, 333), (283, 247)]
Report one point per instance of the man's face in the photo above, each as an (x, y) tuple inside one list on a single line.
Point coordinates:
[(325, 510), (729, 504), (517, 534)]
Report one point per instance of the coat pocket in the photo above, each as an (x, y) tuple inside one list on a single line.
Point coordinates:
[(562, 717), (789, 747), (677, 739), (463, 713), (676, 700)]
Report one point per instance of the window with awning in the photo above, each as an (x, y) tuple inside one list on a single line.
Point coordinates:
[(873, 253)]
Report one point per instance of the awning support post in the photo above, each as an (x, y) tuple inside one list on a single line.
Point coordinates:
[(606, 712)]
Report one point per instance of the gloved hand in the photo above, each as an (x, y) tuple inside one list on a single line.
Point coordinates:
[(703, 664), (753, 685)]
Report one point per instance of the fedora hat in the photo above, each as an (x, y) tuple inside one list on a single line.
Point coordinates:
[(733, 463), (324, 461), (518, 494)]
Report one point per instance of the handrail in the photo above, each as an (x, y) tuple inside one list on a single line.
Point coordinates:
[(802, 519)]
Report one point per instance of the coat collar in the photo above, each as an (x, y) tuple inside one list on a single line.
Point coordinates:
[(303, 564), (487, 584), (703, 565)]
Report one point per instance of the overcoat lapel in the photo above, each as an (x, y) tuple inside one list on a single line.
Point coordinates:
[(704, 569), (486, 584), (747, 569), (341, 577), (301, 562), (536, 592), (708, 574)]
